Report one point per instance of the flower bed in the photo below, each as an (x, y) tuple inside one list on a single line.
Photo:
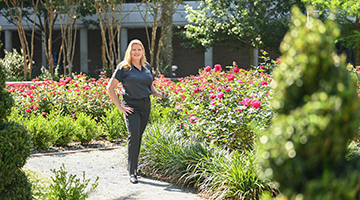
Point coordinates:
[(220, 107), (71, 94)]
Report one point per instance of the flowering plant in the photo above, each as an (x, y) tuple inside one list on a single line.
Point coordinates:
[(220, 107), (71, 94)]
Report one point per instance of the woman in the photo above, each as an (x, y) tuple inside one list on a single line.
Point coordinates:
[(136, 77)]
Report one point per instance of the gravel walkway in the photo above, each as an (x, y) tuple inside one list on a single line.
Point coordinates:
[(110, 167)]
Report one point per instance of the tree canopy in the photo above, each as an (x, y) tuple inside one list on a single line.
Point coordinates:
[(348, 16), (253, 23)]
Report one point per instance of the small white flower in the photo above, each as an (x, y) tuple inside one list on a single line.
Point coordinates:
[(174, 67)]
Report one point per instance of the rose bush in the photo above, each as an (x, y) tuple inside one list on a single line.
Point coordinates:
[(71, 94), (220, 107)]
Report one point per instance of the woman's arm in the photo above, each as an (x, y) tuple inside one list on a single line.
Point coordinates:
[(155, 92), (111, 90)]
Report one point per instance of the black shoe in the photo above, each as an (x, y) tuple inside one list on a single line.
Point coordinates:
[(133, 179)]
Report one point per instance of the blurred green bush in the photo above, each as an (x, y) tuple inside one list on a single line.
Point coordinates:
[(304, 151)]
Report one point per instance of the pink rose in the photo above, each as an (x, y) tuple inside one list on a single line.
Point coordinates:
[(256, 104), (217, 67), (230, 77), (193, 120), (246, 101), (182, 97), (220, 95), (264, 83)]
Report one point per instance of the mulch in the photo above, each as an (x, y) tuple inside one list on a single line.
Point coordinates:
[(100, 143)]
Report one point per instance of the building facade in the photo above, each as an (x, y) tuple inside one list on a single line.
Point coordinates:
[(88, 45)]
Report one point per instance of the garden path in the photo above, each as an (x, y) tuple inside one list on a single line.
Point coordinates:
[(110, 167)]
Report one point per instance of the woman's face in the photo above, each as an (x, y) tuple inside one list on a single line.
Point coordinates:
[(136, 52)]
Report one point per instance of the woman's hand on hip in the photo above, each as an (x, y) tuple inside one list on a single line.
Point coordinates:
[(126, 110), (160, 94)]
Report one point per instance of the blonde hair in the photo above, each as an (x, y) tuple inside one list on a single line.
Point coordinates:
[(126, 63)]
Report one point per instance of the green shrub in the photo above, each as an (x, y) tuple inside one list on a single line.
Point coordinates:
[(304, 150), (6, 100), (16, 116), (162, 110), (41, 130), (88, 128), (18, 187), (14, 150), (63, 126), (68, 187), (14, 64), (114, 124), (40, 183)]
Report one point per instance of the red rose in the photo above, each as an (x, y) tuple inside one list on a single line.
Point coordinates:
[(230, 77), (236, 70), (207, 69), (255, 104), (217, 67)]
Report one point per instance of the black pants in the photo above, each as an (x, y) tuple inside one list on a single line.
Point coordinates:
[(136, 123)]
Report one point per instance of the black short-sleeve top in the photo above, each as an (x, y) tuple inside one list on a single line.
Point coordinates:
[(135, 83)]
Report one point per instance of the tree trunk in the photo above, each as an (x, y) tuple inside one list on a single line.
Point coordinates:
[(166, 38), (110, 30), (153, 8), (357, 55), (48, 31), (357, 46)]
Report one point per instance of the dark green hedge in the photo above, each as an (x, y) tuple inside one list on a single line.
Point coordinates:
[(15, 144), (15, 148)]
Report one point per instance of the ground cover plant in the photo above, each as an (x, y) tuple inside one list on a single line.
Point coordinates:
[(216, 172)]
